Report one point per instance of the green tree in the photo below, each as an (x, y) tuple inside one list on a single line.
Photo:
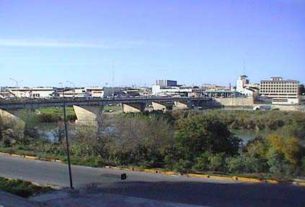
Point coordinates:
[(288, 147), (217, 162), (235, 164), (202, 162), (279, 166), (198, 134)]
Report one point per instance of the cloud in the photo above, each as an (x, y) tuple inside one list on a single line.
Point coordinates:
[(69, 44)]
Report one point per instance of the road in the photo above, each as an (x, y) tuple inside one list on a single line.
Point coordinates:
[(153, 186)]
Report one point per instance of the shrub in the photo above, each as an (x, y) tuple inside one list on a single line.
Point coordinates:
[(235, 164), (278, 165), (183, 166), (217, 162), (202, 162)]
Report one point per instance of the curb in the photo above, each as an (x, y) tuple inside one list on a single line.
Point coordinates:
[(240, 179), (297, 182), (29, 157)]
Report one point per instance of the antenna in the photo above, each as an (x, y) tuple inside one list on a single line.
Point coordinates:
[(112, 69), (244, 66), (16, 82)]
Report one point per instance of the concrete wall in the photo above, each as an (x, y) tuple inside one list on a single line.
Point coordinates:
[(289, 107), (249, 101)]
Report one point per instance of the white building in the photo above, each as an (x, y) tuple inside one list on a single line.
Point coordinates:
[(70, 92), (38, 92), (94, 92), (280, 91), (242, 83), (157, 90), (244, 86)]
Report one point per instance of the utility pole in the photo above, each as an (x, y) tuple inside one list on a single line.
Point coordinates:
[(67, 139), (74, 87)]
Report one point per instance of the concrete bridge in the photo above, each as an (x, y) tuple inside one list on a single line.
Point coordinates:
[(39, 103), (89, 110)]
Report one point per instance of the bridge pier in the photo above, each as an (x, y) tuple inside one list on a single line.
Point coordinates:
[(182, 105), (162, 106), (88, 115), (10, 121), (136, 107)]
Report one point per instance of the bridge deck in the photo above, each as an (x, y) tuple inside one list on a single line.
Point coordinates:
[(40, 103)]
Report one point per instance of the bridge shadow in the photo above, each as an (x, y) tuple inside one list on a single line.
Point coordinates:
[(211, 194)]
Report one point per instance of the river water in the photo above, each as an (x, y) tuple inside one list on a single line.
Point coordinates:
[(50, 131)]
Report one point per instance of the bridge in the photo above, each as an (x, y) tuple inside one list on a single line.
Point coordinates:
[(40, 103), (89, 110)]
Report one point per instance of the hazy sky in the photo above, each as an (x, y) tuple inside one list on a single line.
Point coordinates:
[(94, 42)]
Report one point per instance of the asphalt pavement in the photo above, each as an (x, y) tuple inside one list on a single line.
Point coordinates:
[(175, 189)]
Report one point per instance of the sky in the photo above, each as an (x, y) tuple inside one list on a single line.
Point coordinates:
[(135, 42)]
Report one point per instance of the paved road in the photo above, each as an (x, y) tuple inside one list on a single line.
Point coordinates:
[(157, 187)]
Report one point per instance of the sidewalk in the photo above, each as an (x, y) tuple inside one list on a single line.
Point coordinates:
[(87, 199), (9, 200), (82, 199)]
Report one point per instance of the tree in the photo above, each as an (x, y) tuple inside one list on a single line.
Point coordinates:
[(217, 162), (198, 134), (278, 165), (288, 147)]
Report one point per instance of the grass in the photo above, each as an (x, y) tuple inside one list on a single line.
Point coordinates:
[(21, 188), (53, 114), (112, 108), (57, 110)]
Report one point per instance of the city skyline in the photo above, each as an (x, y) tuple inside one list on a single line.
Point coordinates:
[(137, 43)]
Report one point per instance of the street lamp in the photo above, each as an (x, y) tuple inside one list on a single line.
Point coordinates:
[(67, 137), (73, 88)]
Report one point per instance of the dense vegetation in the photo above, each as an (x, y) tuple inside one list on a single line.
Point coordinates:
[(185, 141), (21, 188)]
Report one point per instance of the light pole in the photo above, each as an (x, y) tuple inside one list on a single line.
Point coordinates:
[(67, 138), (73, 88)]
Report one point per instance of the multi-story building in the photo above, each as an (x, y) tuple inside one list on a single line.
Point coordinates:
[(166, 83), (280, 91), (241, 83), (244, 86)]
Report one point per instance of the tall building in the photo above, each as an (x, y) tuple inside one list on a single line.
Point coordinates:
[(280, 91), (241, 83), (166, 83), (244, 87)]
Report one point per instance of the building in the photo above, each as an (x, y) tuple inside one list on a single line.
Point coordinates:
[(166, 83), (246, 88), (241, 83), (170, 88), (280, 91), (94, 92), (39, 92), (70, 92), (157, 90)]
